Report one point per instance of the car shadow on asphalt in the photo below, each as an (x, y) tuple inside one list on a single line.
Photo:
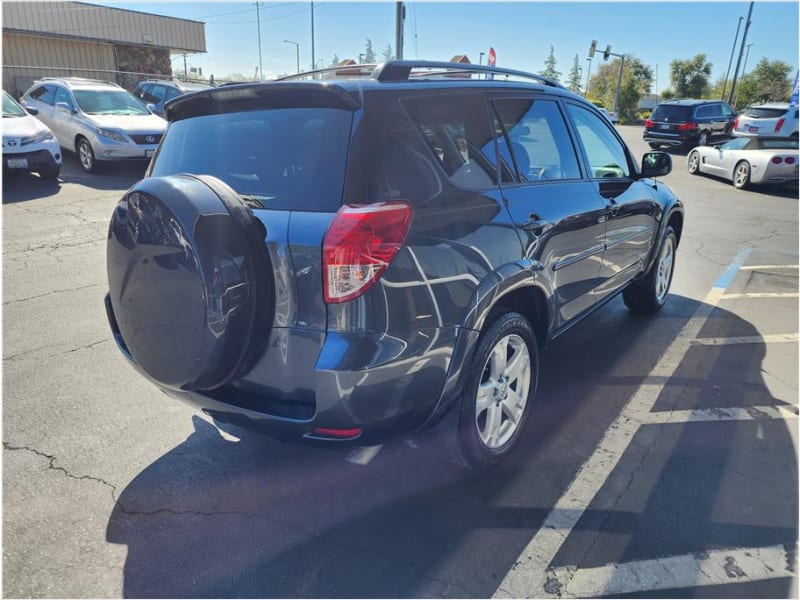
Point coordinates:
[(21, 187), (258, 518)]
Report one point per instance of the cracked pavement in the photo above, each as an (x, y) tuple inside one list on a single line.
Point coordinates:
[(113, 490)]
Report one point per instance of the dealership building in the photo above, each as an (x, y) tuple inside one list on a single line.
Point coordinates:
[(60, 39)]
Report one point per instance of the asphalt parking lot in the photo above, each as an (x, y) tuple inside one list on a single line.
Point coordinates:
[(660, 459)]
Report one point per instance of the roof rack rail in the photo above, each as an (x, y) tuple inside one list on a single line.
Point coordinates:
[(365, 70), (80, 79), (400, 70)]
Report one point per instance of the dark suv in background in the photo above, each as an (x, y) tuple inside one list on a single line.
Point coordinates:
[(351, 259), (157, 92), (688, 123)]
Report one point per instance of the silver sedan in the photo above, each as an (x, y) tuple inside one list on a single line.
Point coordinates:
[(748, 161)]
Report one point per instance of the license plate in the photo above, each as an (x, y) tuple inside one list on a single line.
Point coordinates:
[(753, 129), (148, 153), (17, 163), (663, 127)]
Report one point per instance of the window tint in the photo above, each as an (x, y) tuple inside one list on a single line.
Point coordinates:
[(727, 111), (457, 131), (63, 96), (538, 138), (606, 154), (45, 93), (765, 113), (286, 159), (157, 92), (142, 91), (736, 143), (703, 112), (714, 110), (109, 102), (671, 112), (779, 143), (171, 93)]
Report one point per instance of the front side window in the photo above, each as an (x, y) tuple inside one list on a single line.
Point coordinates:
[(727, 111), (606, 154), (45, 93), (538, 139), (109, 102), (63, 96), (458, 133)]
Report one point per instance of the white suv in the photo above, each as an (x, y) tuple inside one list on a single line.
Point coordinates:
[(98, 120), (772, 119), (28, 145)]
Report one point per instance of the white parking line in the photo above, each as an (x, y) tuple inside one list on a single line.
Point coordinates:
[(528, 577), (778, 338), (761, 295), (750, 413), (767, 267), (364, 455), (715, 567)]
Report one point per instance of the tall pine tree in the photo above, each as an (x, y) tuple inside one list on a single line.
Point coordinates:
[(550, 67), (575, 76)]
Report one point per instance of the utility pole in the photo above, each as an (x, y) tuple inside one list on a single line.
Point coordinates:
[(480, 58), (313, 56), (588, 73), (297, 48), (744, 70), (741, 51), (258, 24), (185, 70), (401, 16), (730, 62)]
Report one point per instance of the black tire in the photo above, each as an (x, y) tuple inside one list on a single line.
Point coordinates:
[(85, 154), (703, 139), (649, 294), (50, 173), (741, 175), (654, 146), (693, 162), (510, 332)]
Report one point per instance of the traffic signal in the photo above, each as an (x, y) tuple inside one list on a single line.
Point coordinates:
[(607, 53), (592, 48)]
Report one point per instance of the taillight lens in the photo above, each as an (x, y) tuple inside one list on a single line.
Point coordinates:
[(687, 126), (776, 160), (736, 123), (648, 124), (359, 245), (789, 160), (778, 125)]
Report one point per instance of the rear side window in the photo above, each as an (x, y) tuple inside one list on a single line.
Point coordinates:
[(538, 138), (457, 131), (45, 93), (671, 112), (285, 159), (765, 113)]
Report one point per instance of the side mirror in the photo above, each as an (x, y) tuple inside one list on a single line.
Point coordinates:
[(64, 107), (656, 164), (31, 110)]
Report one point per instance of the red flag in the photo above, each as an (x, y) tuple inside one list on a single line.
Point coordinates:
[(492, 57)]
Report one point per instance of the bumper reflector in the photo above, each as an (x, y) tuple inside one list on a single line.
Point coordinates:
[(339, 434)]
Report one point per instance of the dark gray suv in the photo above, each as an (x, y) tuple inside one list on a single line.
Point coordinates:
[(352, 259)]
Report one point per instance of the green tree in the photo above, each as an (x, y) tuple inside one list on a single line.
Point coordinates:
[(768, 81), (637, 79), (369, 53), (550, 67), (689, 77), (575, 76), (387, 53)]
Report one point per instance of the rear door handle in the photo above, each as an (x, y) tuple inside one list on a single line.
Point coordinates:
[(535, 225)]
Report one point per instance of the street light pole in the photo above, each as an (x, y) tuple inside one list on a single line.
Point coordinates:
[(732, 93), (588, 73), (313, 56), (260, 63), (480, 58), (730, 62), (744, 70), (297, 47)]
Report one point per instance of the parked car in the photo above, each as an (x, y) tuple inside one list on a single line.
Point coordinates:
[(349, 260), (155, 93), (98, 120), (746, 161), (612, 116), (774, 119), (688, 123), (28, 145)]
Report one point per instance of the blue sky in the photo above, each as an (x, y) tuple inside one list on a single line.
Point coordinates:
[(520, 32)]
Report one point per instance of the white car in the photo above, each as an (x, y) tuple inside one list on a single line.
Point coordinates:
[(778, 119), (98, 120), (28, 145), (745, 161), (612, 116)]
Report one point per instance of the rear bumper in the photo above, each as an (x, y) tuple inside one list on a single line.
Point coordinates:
[(382, 383), (671, 139)]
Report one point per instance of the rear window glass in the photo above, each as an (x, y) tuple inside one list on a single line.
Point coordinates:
[(779, 144), (672, 112), (765, 113), (285, 159)]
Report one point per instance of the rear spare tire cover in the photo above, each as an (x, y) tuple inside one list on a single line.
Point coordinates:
[(190, 281)]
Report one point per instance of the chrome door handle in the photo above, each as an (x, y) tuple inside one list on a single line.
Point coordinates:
[(536, 226)]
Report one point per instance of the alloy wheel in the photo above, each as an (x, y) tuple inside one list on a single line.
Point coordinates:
[(664, 273)]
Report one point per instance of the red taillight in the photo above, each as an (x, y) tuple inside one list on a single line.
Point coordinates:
[(648, 124), (359, 245), (339, 434), (687, 126), (778, 125), (789, 160), (776, 160), (736, 123)]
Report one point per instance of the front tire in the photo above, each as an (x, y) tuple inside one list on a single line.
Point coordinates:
[(649, 294), (86, 155), (499, 393), (703, 139), (741, 175), (694, 162)]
